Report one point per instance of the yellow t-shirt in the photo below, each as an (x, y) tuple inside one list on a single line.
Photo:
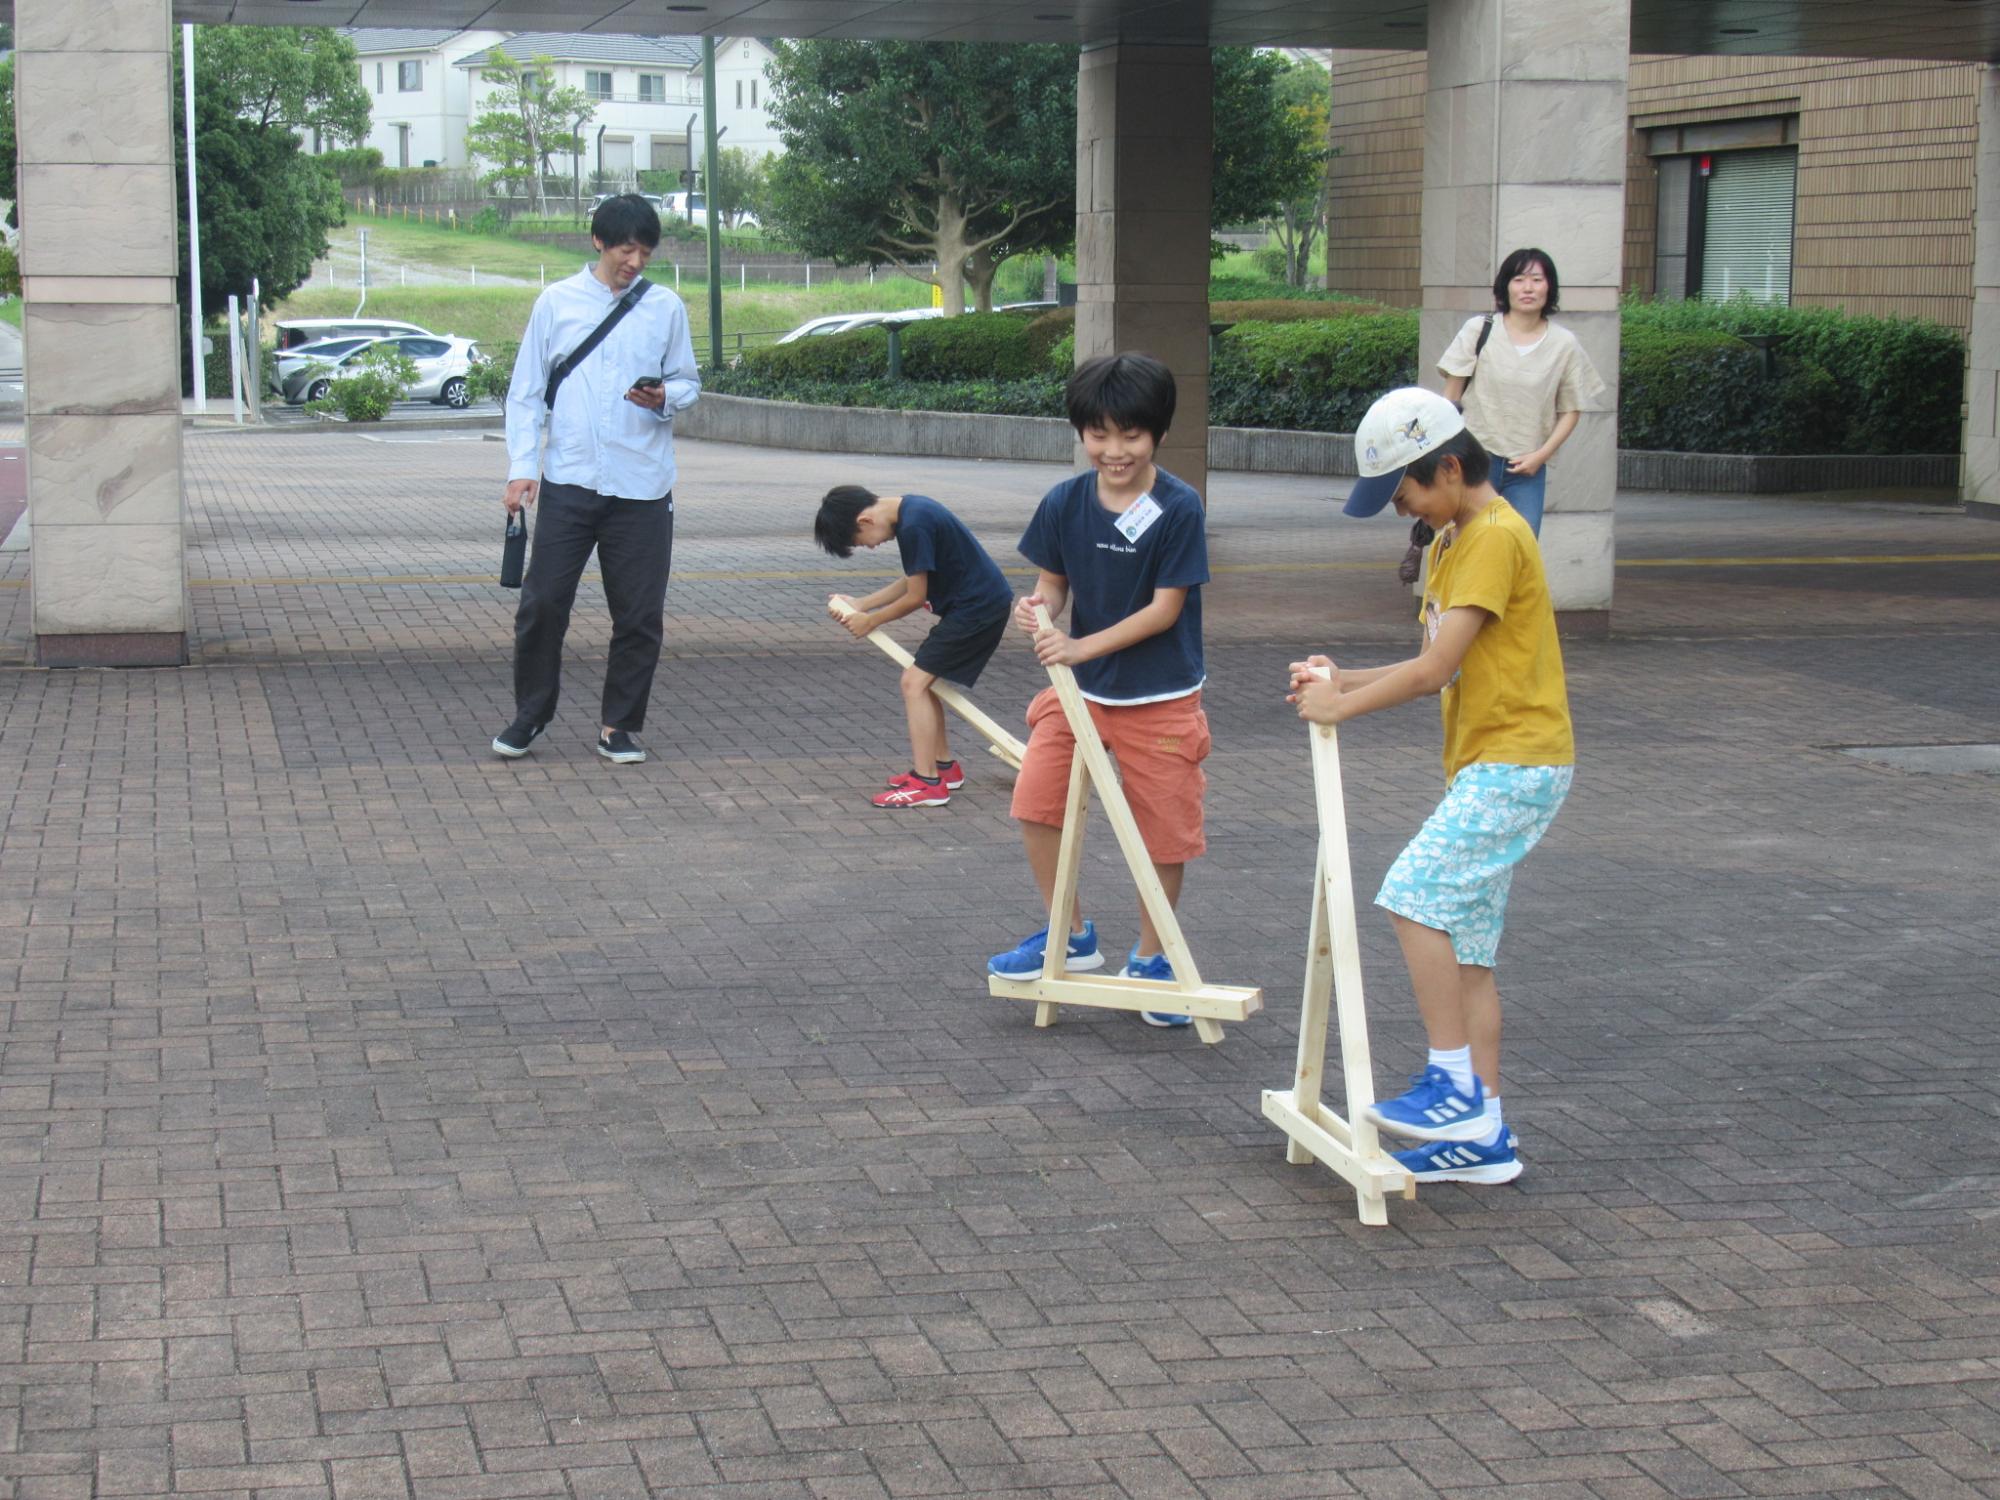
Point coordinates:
[(1509, 703)]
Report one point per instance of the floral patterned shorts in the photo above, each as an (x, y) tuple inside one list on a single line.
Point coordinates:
[(1454, 875)]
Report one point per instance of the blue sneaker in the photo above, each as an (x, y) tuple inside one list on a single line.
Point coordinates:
[(1024, 960), (1463, 1161), (1434, 1109), (1157, 968)]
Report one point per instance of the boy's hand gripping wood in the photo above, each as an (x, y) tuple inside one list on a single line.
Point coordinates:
[(998, 741), (1209, 1004), (1349, 1146)]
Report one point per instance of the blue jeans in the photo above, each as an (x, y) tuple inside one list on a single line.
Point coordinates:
[(1524, 492)]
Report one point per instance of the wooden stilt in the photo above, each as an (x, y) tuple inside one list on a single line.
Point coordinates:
[(1091, 769), (998, 741), (1312, 1129)]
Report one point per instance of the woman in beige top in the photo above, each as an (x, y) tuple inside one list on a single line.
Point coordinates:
[(1533, 380)]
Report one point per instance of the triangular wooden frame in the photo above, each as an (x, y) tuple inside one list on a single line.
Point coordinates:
[(1090, 768), (998, 741), (1352, 1146)]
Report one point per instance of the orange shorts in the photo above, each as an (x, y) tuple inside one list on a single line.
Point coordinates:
[(1159, 748)]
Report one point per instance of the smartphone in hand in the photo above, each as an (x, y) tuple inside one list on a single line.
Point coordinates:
[(647, 383)]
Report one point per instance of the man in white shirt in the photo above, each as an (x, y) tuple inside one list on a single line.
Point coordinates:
[(606, 479)]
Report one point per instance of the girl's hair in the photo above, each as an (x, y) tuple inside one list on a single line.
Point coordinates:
[(1518, 262)]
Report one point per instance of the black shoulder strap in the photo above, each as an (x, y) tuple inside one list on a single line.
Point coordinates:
[(1485, 333), (597, 336)]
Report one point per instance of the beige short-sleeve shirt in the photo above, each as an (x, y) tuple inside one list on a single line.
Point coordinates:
[(1512, 403)]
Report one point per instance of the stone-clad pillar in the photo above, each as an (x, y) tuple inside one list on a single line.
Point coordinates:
[(1144, 150), (1980, 482), (1524, 144), (100, 330)]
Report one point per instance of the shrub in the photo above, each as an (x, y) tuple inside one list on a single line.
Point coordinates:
[(366, 394), (1038, 396), (10, 272), (489, 381), (975, 346), (1319, 376), (1062, 355), (1270, 262), (1896, 383), (1048, 330), (1246, 288), (1705, 391), (859, 354)]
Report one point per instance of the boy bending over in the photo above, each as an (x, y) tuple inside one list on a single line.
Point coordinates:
[(946, 571)]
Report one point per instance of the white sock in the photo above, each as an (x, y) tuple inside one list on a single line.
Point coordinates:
[(1458, 1063), (1495, 1122)]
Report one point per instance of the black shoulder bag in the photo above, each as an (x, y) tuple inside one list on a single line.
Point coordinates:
[(1421, 535)]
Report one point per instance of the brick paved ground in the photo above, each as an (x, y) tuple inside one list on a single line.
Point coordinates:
[(380, 1120)]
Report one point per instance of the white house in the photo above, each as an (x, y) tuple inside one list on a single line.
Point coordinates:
[(648, 95), (418, 98)]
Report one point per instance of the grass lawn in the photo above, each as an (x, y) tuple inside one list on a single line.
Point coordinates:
[(10, 311)]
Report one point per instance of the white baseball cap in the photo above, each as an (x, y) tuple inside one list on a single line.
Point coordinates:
[(1400, 428)]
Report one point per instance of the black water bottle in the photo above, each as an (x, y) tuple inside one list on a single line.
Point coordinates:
[(514, 554)]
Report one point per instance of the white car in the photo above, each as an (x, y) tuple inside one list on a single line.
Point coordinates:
[(294, 332), (442, 361), (820, 327)]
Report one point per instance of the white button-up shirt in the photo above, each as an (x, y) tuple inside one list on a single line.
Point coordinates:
[(596, 438)]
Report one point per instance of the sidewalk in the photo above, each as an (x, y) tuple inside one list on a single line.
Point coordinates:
[(380, 1119)]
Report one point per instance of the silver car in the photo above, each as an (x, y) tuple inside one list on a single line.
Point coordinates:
[(443, 361)]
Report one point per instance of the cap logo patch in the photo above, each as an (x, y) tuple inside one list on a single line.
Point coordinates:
[(1370, 454), (1414, 431)]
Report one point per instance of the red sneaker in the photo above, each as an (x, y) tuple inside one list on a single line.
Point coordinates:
[(951, 773), (908, 791)]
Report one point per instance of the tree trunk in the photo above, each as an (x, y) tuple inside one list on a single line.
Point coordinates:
[(951, 255), (980, 269)]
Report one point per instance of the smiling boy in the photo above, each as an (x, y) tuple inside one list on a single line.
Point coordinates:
[(1123, 548), (1490, 654)]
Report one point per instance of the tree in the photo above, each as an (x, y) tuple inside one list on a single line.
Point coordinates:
[(8, 153), (738, 185), (1305, 89), (1266, 155), (266, 205), (528, 121), (905, 153)]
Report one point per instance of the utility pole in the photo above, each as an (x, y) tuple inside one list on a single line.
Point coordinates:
[(194, 228), (708, 197)]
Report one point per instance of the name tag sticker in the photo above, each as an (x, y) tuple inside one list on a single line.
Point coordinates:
[(1138, 518)]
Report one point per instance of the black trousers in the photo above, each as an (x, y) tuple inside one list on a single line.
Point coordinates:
[(634, 542)]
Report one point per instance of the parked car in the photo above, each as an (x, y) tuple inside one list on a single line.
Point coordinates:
[(442, 361), (296, 331), (321, 351), (820, 327)]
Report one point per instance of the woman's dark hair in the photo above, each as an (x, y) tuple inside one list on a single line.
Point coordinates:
[(627, 219), (1123, 390), (1518, 262), (839, 518), (1474, 463)]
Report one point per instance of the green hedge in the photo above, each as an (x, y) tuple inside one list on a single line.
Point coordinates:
[(1689, 381)]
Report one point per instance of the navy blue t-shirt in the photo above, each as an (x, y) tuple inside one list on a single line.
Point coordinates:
[(962, 575), (1112, 576)]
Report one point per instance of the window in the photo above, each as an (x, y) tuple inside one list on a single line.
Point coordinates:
[(597, 85), (378, 78), (739, 93), (410, 76), (652, 88), (1727, 195), (530, 78), (753, 93), (694, 86)]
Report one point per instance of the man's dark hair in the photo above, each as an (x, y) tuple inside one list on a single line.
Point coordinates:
[(1122, 390), (1474, 463), (1518, 262), (627, 219), (839, 518)]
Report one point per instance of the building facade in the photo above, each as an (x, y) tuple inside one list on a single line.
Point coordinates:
[(1822, 182), (647, 93), (418, 99)]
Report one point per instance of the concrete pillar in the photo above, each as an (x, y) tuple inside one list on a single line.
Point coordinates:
[(1979, 483), (1144, 148), (1524, 144), (100, 334)]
